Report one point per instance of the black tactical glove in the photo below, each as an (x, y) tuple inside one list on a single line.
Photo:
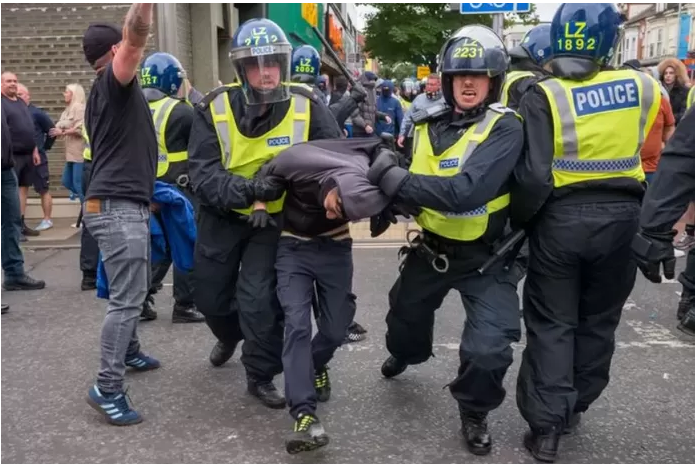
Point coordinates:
[(394, 210), (653, 249), (379, 225), (269, 188), (259, 219), (358, 93), (386, 173)]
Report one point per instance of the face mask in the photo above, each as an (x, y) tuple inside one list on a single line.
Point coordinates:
[(386, 92)]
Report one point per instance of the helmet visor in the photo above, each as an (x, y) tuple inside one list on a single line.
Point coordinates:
[(263, 72)]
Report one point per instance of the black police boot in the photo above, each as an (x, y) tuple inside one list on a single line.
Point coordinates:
[(322, 384), (29, 232), (183, 314), (221, 353), (573, 423), (543, 444), (687, 323), (307, 435), (23, 283), (685, 302), (266, 392), (475, 431), (89, 282), (393, 367), (148, 313)]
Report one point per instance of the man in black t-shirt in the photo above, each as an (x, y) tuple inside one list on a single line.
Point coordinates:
[(117, 201)]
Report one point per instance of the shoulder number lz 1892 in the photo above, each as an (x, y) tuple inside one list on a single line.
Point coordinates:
[(574, 37)]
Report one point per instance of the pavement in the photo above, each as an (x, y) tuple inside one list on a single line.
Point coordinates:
[(198, 414)]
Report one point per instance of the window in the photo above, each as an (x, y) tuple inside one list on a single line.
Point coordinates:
[(633, 48), (658, 46), (651, 45)]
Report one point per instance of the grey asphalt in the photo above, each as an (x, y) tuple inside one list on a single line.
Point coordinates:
[(195, 413)]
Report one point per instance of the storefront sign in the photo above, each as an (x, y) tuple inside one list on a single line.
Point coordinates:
[(310, 13)]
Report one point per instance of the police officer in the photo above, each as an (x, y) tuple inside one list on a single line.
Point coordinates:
[(161, 77), (526, 64), (463, 157), (236, 129), (666, 200), (89, 249), (581, 270)]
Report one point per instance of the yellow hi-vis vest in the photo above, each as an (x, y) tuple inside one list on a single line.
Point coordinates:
[(599, 125), (87, 151), (510, 79), (161, 110), (244, 156), (405, 104), (470, 225), (690, 98)]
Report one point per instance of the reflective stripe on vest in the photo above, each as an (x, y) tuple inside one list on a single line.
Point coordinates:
[(252, 153), (87, 151), (161, 110), (600, 125), (468, 225), (690, 98), (510, 79)]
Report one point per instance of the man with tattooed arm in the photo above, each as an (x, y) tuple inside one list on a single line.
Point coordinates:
[(117, 201)]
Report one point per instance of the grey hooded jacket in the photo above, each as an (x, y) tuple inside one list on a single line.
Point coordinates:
[(341, 163)]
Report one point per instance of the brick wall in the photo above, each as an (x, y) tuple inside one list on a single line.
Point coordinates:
[(184, 39), (42, 44)]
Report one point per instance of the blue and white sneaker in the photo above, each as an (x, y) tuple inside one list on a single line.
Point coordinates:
[(142, 362), (114, 407)]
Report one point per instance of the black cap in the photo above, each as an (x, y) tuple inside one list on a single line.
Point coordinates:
[(98, 40)]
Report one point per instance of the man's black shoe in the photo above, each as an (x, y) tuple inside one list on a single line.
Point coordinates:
[(322, 384), (148, 313), (687, 323), (475, 431), (183, 314), (543, 445), (573, 423), (221, 353), (5, 307), (28, 232), (307, 435), (393, 367), (266, 392), (23, 283), (89, 282), (685, 302)]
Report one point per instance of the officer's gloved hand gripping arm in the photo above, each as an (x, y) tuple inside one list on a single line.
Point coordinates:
[(212, 183), (666, 200), (481, 179)]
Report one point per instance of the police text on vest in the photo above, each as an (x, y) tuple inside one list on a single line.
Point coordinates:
[(278, 141), (609, 96)]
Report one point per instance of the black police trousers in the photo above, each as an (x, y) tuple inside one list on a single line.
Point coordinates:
[(492, 324), (89, 250), (240, 304), (182, 281), (581, 271), (301, 265)]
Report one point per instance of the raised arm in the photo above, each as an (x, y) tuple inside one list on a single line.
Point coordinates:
[(135, 32)]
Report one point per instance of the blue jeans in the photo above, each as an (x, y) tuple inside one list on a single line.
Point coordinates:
[(120, 227), (12, 258), (72, 178)]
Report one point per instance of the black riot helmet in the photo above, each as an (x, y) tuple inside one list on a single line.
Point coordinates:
[(474, 50)]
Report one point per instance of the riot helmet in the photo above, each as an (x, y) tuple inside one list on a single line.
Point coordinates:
[(305, 64), (535, 46), (163, 72), (261, 56)]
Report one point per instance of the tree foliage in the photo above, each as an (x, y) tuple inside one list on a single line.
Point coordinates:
[(398, 71), (414, 33)]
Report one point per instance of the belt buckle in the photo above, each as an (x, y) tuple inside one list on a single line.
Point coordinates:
[(93, 205)]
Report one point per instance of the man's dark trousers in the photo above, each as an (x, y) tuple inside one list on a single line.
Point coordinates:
[(12, 258), (89, 250), (239, 305), (581, 271), (300, 265)]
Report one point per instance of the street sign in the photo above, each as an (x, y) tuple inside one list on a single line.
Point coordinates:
[(310, 13), (423, 71), (491, 8)]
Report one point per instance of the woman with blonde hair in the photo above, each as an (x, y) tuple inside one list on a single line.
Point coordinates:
[(69, 127)]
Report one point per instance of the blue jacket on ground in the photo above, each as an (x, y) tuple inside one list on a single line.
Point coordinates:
[(172, 230), (389, 105)]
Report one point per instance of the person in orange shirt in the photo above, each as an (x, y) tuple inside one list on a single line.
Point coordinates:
[(659, 134)]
